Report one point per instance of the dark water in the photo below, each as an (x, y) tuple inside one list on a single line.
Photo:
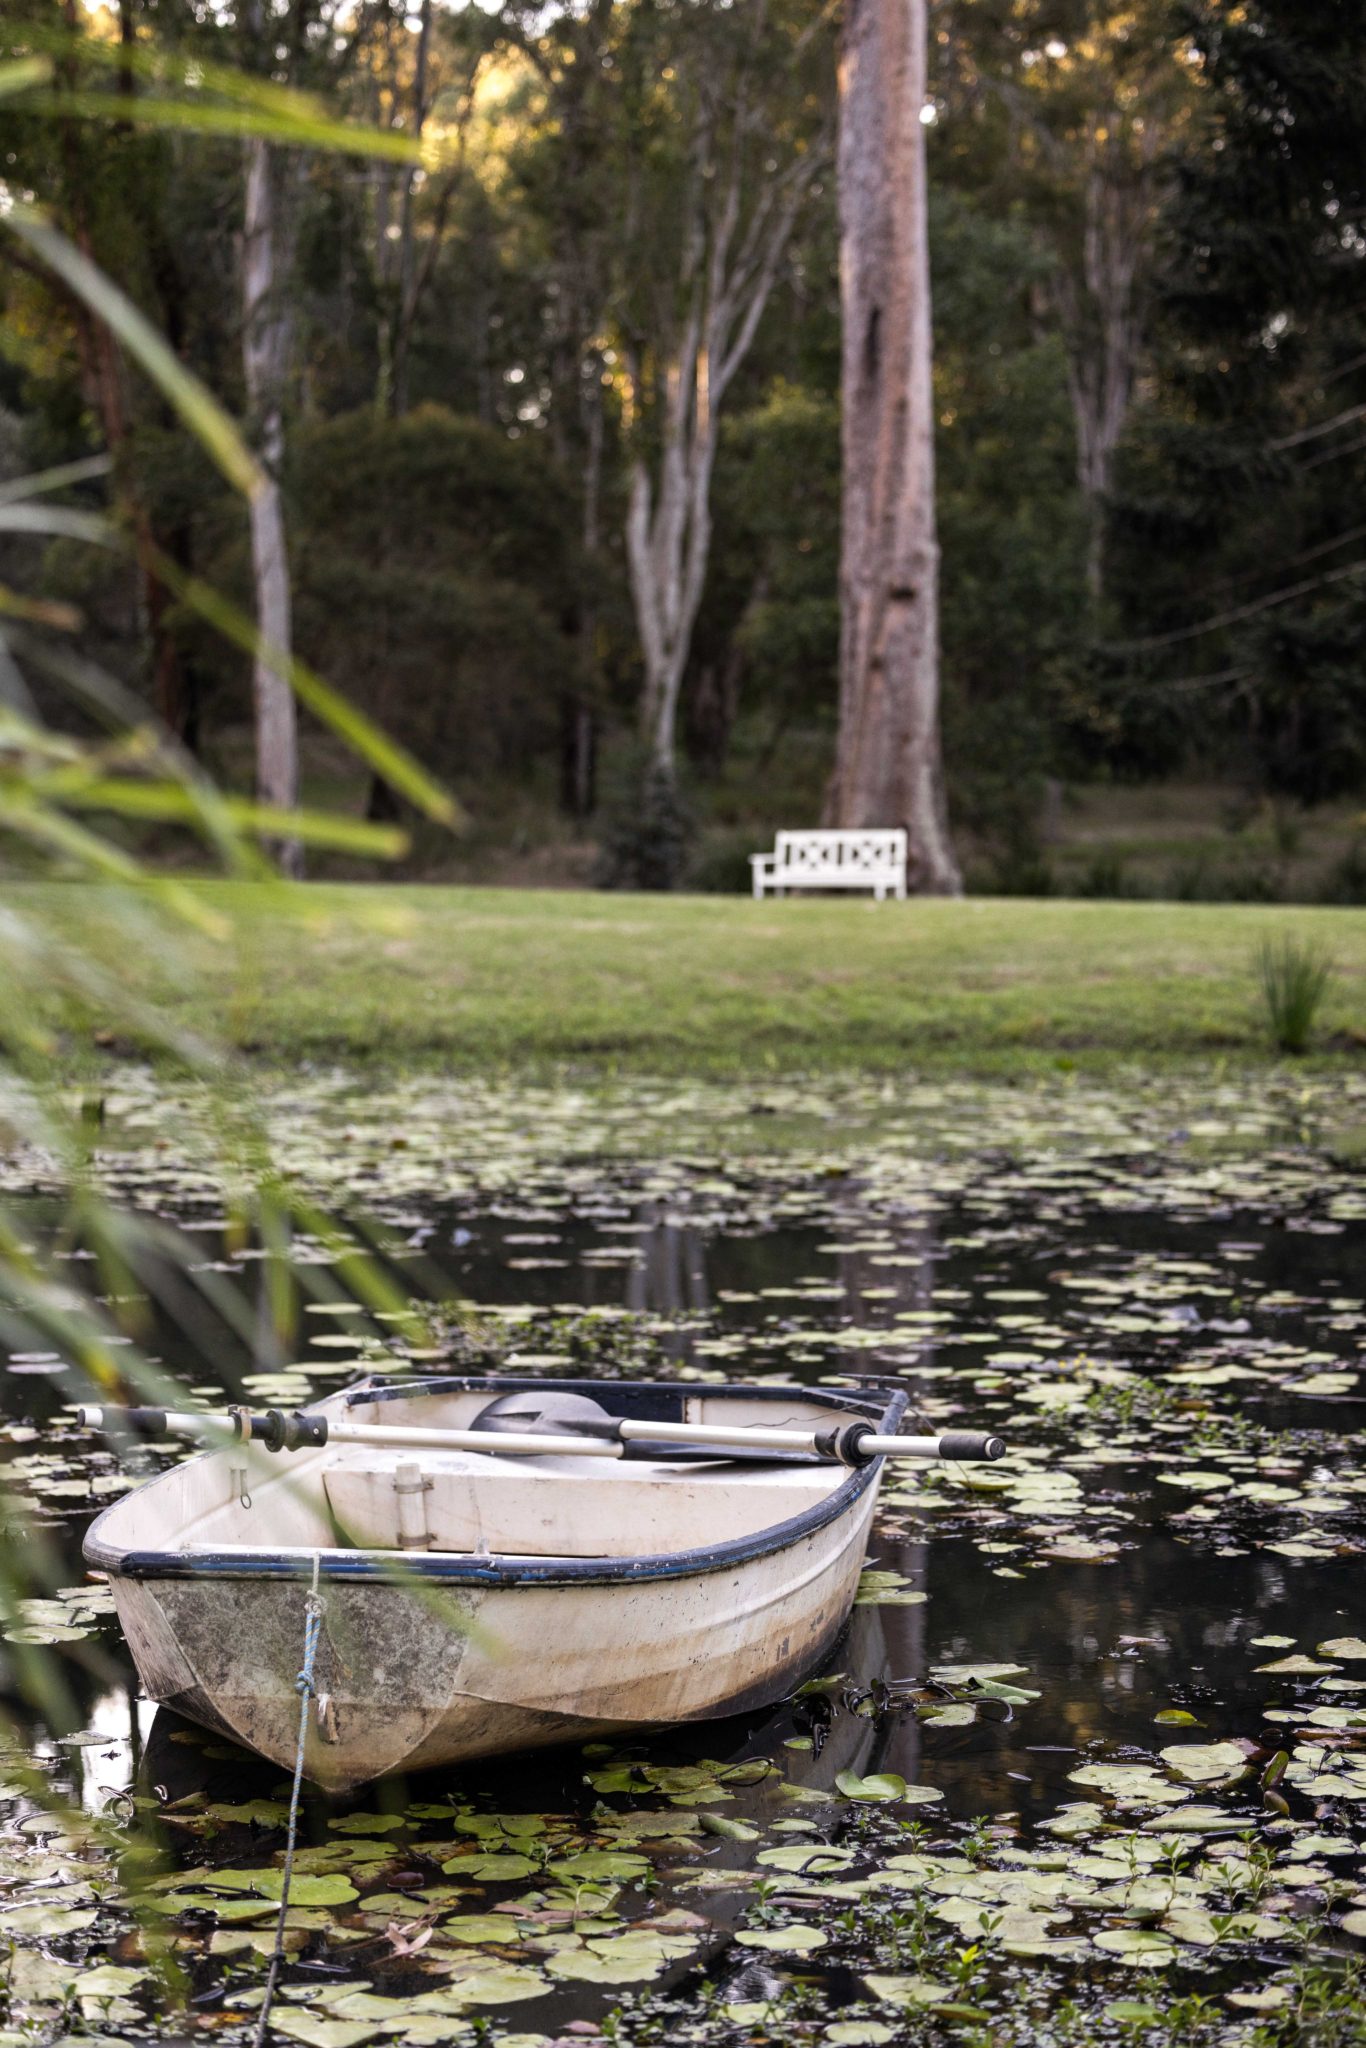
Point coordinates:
[(1124, 1321)]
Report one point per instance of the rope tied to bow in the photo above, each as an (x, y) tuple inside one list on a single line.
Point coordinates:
[(314, 1608)]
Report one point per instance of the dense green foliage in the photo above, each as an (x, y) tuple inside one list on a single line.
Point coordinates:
[(1149, 333), (1241, 578)]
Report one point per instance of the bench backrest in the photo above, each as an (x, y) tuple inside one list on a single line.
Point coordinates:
[(877, 852)]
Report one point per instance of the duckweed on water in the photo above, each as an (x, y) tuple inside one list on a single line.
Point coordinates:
[(1091, 1763)]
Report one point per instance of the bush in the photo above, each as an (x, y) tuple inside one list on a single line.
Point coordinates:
[(720, 864), (1345, 881), (648, 829), (1294, 975), (1105, 874)]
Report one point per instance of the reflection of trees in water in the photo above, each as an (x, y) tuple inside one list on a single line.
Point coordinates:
[(903, 1630), (880, 1284), (683, 1264), (670, 1277)]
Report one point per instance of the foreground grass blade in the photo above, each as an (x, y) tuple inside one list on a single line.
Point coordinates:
[(256, 106), (23, 75), (390, 761), (173, 803), (314, 131), (15, 488), (197, 407)]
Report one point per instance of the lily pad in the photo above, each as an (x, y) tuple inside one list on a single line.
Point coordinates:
[(1307, 1667), (316, 2031), (1143, 1947), (615, 1866), (907, 1990), (489, 1869), (47, 1919), (1200, 1763), (503, 1984), (795, 1940), (629, 1958), (1130, 1784), (812, 1857)]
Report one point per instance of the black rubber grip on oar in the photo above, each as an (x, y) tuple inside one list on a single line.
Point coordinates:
[(142, 1422), (968, 1443)]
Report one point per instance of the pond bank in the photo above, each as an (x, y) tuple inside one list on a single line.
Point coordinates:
[(485, 979)]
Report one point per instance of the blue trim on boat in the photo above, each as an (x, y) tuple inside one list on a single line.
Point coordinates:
[(649, 1400)]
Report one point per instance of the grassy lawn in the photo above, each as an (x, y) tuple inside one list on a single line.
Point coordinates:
[(492, 978)]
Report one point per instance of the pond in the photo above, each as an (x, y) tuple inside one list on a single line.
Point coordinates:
[(1091, 1760)]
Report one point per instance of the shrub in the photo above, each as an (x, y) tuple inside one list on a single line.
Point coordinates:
[(1294, 975), (720, 863), (1345, 881), (1104, 875), (648, 830)]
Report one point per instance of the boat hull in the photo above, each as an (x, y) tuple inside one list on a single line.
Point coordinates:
[(410, 1676)]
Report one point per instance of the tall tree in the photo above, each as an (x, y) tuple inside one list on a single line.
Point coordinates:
[(292, 42), (738, 137), (887, 768), (1101, 107), (265, 363), (1075, 106)]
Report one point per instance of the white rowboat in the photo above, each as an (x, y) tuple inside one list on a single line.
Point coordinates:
[(483, 1600)]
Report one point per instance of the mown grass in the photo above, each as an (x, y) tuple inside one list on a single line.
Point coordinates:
[(713, 985)]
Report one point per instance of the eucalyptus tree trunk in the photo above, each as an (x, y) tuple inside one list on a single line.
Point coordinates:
[(668, 541), (732, 249), (887, 769), (265, 358), (1100, 313), (408, 288)]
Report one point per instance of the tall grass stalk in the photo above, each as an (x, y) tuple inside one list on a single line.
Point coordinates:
[(1294, 975), (93, 1319)]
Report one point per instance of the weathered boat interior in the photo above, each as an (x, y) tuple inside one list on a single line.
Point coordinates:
[(469, 1503)]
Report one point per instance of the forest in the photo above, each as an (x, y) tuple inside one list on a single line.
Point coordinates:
[(547, 376)]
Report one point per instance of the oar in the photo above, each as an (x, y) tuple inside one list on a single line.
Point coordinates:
[(851, 1443)]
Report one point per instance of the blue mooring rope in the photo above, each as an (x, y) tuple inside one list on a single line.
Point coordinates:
[(303, 1685)]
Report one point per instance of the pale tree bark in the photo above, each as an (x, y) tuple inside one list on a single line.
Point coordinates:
[(888, 769), (407, 260), (1099, 307), (265, 359), (731, 253)]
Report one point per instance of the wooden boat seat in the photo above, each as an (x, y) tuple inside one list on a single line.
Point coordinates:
[(578, 1512)]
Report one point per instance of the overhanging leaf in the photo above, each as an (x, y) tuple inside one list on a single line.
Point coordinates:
[(197, 406)]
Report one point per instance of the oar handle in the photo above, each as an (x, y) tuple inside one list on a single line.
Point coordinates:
[(961, 1446)]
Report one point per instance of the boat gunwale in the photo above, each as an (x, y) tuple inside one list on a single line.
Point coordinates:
[(886, 1407)]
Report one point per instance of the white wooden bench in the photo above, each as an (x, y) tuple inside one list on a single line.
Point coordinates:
[(833, 860)]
